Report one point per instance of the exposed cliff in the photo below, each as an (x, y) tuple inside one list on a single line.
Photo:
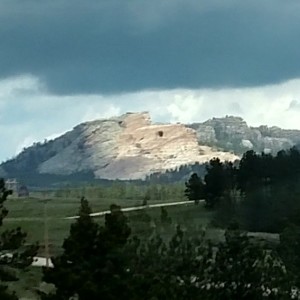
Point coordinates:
[(131, 147), (125, 147), (233, 134)]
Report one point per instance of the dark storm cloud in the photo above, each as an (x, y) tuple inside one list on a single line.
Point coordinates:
[(117, 46)]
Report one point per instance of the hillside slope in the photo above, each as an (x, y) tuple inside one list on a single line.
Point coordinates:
[(233, 134), (132, 147), (125, 147)]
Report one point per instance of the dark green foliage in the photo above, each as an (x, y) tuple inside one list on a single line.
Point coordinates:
[(269, 208), (263, 170), (4, 193), (146, 199), (92, 262), (194, 188), (73, 246), (289, 250), (177, 175), (268, 200), (125, 191), (226, 211), (99, 262), (249, 170), (254, 211), (247, 270), (270, 188), (5, 295), (219, 180), (192, 268), (262, 194), (116, 230), (164, 271), (13, 252), (102, 262), (164, 216), (215, 182), (141, 216)]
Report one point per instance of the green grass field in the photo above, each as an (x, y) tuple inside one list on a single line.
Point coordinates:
[(29, 215)]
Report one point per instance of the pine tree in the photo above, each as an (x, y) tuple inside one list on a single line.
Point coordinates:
[(71, 269), (92, 264), (194, 268), (218, 180), (194, 188), (164, 216), (13, 252), (245, 268)]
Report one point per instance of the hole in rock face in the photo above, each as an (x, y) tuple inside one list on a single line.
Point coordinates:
[(160, 133)]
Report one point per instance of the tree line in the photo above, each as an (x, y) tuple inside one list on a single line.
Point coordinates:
[(262, 194), (15, 254), (263, 183), (106, 262), (125, 190)]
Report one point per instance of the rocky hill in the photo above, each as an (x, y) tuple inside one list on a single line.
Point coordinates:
[(132, 147), (233, 134)]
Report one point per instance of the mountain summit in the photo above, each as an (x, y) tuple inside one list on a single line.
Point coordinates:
[(131, 146)]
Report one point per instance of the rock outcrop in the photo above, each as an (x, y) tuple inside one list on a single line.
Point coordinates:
[(233, 134), (144, 148), (131, 147), (125, 147)]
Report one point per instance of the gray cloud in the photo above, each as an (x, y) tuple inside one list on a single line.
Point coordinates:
[(294, 105), (33, 115), (235, 108), (119, 46)]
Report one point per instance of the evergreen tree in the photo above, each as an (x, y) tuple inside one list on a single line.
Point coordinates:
[(216, 182), (249, 171), (161, 270), (92, 265), (13, 252), (164, 216), (245, 268), (289, 250), (71, 270), (194, 188), (193, 268)]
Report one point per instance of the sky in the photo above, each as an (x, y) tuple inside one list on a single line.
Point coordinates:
[(66, 62)]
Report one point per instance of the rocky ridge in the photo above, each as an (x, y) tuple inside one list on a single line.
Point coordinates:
[(125, 147), (131, 146), (233, 134)]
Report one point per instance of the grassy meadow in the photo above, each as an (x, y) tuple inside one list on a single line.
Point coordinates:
[(29, 214)]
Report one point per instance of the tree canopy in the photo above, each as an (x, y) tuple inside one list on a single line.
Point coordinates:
[(14, 254), (100, 262), (91, 263)]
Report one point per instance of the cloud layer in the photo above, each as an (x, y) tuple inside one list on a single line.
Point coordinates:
[(99, 46), (29, 113)]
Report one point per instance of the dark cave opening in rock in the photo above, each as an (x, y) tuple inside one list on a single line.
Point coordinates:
[(160, 133)]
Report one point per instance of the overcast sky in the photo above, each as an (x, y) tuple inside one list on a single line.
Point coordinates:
[(63, 62)]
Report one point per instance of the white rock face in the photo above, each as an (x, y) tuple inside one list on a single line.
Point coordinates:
[(128, 147), (131, 147), (92, 147), (144, 148), (232, 133)]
